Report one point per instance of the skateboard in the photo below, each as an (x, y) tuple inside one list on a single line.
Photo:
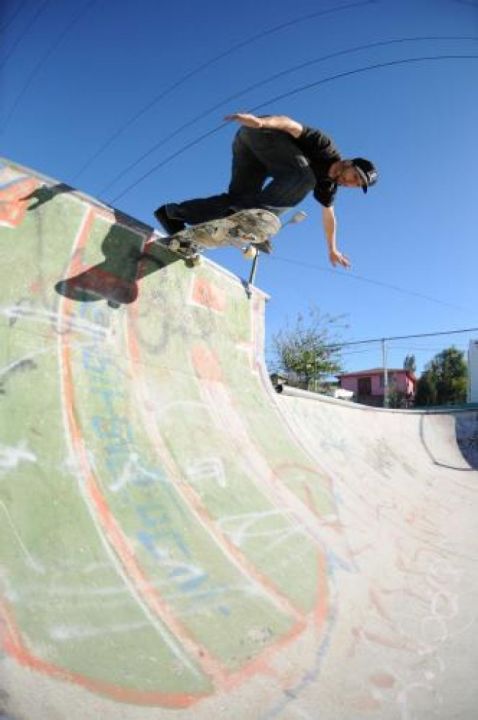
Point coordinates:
[(244, 230), (116, 278)]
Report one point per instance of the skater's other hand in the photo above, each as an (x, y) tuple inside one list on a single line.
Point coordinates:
[(246, 119), (337, 258)]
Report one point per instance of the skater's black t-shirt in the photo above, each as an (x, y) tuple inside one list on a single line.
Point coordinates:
[(321, 152)]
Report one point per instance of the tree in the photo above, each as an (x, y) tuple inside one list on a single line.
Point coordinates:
[(444, 380), (410, 364), (306, 352), (397, 398)]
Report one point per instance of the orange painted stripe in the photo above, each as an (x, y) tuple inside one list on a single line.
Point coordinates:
[(196, 505), (208, 367), (116, 537), (10, 635), (119, 541), (15, 647), (14, 201)]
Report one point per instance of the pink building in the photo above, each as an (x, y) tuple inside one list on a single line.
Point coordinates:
[(368, 386)]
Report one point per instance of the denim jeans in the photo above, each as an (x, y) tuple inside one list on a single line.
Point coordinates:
[(268, 171)]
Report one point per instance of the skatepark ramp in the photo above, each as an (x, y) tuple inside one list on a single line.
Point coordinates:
[(179, 541)]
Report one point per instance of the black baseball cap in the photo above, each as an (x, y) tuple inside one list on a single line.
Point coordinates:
[(367, 171)]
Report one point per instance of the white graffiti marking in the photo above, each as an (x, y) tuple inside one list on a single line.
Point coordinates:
[(11, 457), (133, 472), (63, 633), (30, 561), (241, 528), (207, 469), (62, 323)]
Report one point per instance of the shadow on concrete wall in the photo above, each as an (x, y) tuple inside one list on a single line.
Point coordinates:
[(466, 428), (116, 278), (44, 194), (467, 441)]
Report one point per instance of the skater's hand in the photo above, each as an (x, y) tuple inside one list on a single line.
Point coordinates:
[(246, 119), (336, 258)]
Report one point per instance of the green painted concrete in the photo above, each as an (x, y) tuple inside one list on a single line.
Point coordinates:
[(171, 539)]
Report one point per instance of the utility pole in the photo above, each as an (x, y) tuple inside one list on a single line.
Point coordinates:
[(385, 373)]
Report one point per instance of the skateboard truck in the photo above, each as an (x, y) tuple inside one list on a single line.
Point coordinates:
[(190, 253), (248, 230), (250, 252), (298, 217)]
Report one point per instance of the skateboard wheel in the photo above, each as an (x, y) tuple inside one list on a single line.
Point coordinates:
[(250, 252), (114, 305), (193, 260), (174, 245)]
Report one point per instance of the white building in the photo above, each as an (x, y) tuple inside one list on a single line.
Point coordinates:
[(473, 372)]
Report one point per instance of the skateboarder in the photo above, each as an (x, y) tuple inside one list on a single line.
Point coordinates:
[(295, 158)]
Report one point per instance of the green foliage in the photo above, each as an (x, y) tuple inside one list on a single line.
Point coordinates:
[(410, 364), (303, 352), (444, 380), (397, 399)]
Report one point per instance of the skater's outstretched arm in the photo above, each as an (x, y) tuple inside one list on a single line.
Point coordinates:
[(271, 122), (330, 229)]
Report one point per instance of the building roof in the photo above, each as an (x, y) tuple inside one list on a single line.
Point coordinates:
[(377, 371)]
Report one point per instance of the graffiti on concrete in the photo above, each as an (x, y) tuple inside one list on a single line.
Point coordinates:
[(176, 539)]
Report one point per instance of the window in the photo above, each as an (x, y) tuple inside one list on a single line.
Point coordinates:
[(365, 386)]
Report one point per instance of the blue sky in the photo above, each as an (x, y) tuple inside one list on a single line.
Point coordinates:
[(75, 73)]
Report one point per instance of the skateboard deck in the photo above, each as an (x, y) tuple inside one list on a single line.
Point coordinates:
[(242, 230)]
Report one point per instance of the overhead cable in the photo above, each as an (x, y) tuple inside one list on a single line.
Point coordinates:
[(198, 69), (361, 278), (77, 17), (290, 93), (227, 101), (40, 10)]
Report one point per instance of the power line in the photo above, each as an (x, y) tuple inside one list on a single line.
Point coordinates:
[(361, 278), (358, 352), (238, 46), (10, 20), (467, 2), (396, 349), (391, 349), (45, 58), (296, 91), (189, 145), (401, 337), (367, 68), (414, 349), (271, 78), (27, 28)]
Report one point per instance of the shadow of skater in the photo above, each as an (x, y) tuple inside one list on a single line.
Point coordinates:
[(116, 278), (466, 427), (44, 194)]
